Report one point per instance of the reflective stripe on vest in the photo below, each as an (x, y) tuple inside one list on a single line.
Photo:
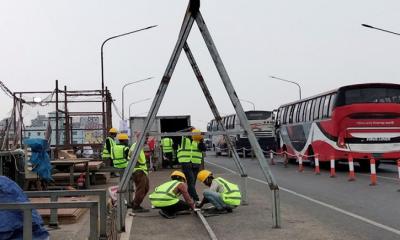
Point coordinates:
[(164, 195), (167, 145), (184, 153), (231, 195), (141, 163), (118, 156), (196, 154), (105, 154)]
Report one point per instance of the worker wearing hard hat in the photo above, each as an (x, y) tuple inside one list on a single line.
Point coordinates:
[(140, 179), (166, 196), (190, 157), (223, 194), (167, 149), (108, 145), (119, 153)]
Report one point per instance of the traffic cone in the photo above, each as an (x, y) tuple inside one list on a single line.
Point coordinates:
[(352, 176), (333, 171), (373, 172), (301, 168), (317, 170), (271, 156)]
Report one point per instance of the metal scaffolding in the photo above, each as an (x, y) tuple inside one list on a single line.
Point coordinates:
[(193, 14), (59, 102)]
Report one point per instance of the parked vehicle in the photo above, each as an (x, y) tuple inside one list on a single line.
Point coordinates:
[(361, 120), (262, 124)]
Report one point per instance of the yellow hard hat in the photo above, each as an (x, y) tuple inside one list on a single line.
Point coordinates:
[(113, 130), (178, 174), (203, 175), (122, 136), (197, 137)]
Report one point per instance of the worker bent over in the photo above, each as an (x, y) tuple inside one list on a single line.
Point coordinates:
[(166, 196), (223, 194), (140, 179)]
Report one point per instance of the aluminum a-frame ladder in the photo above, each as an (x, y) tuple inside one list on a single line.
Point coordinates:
[(193, 14)]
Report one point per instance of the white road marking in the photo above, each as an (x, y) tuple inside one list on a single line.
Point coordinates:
[(363, 219)]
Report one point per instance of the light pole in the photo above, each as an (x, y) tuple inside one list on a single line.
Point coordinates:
[(281, 79), (135, 102), (244, 100), (102, 70), (380, 29), (123, 96)]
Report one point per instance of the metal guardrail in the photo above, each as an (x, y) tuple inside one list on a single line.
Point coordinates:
[(28, 207), (54, 195)]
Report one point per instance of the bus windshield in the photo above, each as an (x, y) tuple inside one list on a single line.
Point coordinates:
[(258, 115), (368, 95)]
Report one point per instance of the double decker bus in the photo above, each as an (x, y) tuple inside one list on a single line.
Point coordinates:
[(362, 120), (261, 122)]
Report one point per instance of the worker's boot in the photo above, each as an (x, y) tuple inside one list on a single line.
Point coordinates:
[(139, 209), (166, 215)]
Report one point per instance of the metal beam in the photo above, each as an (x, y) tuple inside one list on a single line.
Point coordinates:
[(240, 113)]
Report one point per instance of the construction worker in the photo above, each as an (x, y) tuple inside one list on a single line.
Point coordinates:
[(108, 145), (166, 145), (223, 194), (140, 179), (119, 153), (190, 158), (166, 196)]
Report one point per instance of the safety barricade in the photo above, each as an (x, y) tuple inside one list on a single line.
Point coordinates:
[(373, 172), (352, 175)]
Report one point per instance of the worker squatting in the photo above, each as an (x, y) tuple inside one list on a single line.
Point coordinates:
[(222, 194)]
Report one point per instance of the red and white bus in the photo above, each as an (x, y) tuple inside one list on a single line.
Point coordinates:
[(362, 120)]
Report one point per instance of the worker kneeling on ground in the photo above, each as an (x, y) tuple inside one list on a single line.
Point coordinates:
[(166, 196), (223, 194)]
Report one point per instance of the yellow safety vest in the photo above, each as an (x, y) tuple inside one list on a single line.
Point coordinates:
[(231, 194), (118, 156), (141, 163), (167, 145), (164, 195), (105, 154)]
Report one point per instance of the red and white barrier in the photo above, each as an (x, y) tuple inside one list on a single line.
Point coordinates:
[(317, 169), (333, 171), (352, 175), (301, 168), (271, 157), (373, 172)]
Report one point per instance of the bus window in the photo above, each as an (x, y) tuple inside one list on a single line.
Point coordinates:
[(326, 106), (306, 111), (301, 112), (284, 115), (280, 114), (311, 108), (291, 114), (321, 107), (316, 108), (296, 108), (331, 104)]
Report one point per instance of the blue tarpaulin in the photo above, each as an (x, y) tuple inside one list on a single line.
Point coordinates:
[(11, 221), (40, 158)]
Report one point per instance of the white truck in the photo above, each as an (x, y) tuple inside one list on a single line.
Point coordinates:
[(162, 124)]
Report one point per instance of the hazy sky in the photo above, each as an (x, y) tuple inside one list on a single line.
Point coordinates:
[(319, 43)]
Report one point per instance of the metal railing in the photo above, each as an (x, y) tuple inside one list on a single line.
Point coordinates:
[(54, 195), (28, 207)]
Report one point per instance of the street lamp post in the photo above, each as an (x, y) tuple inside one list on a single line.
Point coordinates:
[(244, 100), (102, 71), (380, 29), (135, 102), (123, 96), (281, 79)]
